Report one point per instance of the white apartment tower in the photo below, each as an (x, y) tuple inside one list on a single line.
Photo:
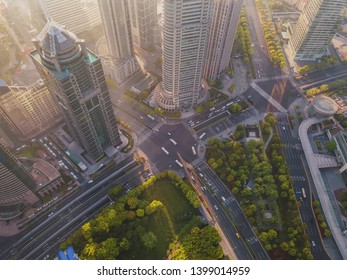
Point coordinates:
[(116, 21), (315, 29), (184, 42), (223, 26), (76, 15), (143, 22)]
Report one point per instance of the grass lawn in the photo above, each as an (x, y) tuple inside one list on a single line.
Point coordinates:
[(31, 151), (174, 221)]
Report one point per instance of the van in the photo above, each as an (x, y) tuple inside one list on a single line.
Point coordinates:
[(90, 181)]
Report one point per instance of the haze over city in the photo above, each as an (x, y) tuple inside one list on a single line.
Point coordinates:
[(173, 130)]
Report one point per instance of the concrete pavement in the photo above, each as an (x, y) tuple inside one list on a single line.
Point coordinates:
[(268, 97)]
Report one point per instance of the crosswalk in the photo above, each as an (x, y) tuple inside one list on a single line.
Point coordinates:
[(298, 178)]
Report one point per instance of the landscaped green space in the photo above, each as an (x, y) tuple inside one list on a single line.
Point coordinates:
[(341, 119), (270, 35), (169, 223), (260, 181), (324, 63), (130, 144), (149, 222), (243, 41), (330, 88), (31, 150)]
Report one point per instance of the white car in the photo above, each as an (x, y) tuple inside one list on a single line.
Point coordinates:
[(216, 207)]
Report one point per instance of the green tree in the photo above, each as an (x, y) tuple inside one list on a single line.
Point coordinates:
[(133, 202), (331, 145), (113, 192), (149, 240), (202, 244), (235, 108), (140, 213)]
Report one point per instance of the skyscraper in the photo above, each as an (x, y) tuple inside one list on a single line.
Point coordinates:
[(74, 76), (16, 188), (184, 42), (143, 21), (315, 29), (76, 15), (116, 21), (223, 26)]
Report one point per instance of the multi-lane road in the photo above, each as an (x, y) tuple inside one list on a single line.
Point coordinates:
[(295, 157), (49, 231), (261, 61), (228, 214)]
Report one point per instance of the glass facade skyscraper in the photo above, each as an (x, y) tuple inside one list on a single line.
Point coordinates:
[(75, 78), (116, 21), (315, 29), (16, 187), (223, 26), (143, 22)]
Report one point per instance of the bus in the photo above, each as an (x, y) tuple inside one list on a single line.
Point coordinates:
[(303, 192), (173, 141), (193, 149), (180, 164), (165, 151), (150, 117), (202, 135), (75, 159)]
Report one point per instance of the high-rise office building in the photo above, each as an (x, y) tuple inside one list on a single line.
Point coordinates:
[(116, 21), (315, 29), (76, 15), (223, 26), (184, 42), (29, 110), (16, 188), (74, 76), (296, 4), (143, 14)]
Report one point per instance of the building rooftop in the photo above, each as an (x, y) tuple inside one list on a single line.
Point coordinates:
[(324, 105), (55, 38), (42, 172)]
